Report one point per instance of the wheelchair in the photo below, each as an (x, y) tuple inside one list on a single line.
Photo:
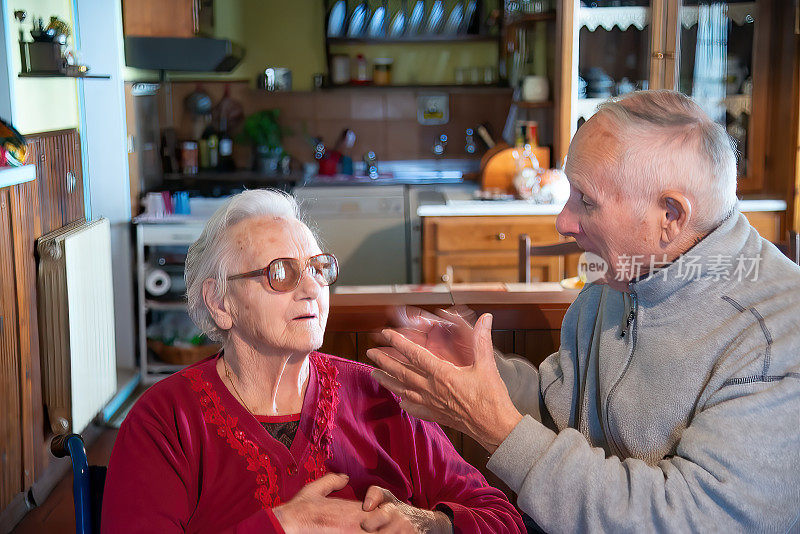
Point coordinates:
[(87, 483)]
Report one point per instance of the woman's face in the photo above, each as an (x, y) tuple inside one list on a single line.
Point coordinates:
[(268, 321)]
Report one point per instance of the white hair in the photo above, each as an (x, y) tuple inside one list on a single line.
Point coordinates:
[(671, 143), (210, 256)]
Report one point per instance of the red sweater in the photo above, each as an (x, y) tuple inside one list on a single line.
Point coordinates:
[(190, 458)]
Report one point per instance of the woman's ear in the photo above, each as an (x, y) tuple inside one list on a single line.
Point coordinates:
[(216, 306), (676, 211)]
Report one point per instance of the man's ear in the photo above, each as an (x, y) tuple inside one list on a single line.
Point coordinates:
[(216, 306), (676, 212)]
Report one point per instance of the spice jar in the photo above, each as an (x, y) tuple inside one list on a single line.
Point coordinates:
[(362, 71), (189, 157), (382, 71)]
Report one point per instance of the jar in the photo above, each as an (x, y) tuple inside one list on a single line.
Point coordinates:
[(340, 69), (382, 71), (362, 70), (189, 157)]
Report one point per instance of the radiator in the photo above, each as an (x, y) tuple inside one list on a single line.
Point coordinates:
[(76, 323)]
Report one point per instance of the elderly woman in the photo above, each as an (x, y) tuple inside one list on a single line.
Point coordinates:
[(269, 435)]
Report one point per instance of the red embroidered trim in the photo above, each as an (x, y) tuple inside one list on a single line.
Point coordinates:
[(214, 412), (321, 449), (320, 444)]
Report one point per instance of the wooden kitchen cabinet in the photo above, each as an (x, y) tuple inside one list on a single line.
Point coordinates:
[(57, 157), (485, 249), (736, 59), (168, 18)]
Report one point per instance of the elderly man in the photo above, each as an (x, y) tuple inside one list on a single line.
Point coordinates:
[(673, 402)]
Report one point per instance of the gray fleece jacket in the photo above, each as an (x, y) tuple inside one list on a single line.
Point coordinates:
[(672, 408)]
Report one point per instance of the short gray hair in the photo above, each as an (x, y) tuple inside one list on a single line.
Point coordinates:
[(210, 256), (659, 129)]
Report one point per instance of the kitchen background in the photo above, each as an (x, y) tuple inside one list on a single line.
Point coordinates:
[(421, 148)]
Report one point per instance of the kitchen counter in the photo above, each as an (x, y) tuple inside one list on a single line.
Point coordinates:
[(460, 208), (538, 306)]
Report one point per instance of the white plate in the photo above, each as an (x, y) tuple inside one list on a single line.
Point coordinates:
[(376, 25), (357, 21), (398, 24), (436, 18), (336, 19), (454, 21), (415, 20)]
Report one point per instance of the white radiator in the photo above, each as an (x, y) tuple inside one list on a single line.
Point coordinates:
[(76, 316)]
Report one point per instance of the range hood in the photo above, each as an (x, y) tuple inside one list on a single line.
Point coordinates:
[(198, 54)]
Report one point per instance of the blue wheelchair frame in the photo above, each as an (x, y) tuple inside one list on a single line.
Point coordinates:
[(87, 482)]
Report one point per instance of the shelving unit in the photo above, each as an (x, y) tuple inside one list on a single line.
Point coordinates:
[(152, 235), (16, 175), (62, 75)]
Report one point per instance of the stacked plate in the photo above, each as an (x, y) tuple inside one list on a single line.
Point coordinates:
[(362, 22)]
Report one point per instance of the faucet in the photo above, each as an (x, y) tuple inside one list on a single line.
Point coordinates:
[(439, 146), (469, 146), (371, 164)]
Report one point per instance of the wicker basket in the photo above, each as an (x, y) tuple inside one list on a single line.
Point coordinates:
[(181, 355)]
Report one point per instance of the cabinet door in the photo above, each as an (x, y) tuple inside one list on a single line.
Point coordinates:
[(719, 63), (60, 179), (615, 51), (162, 18)]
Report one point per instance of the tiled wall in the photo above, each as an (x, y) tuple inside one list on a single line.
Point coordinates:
[(384, 119)]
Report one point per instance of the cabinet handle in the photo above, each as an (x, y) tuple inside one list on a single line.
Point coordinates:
[(71, 181), (658, 55), (501, 236)]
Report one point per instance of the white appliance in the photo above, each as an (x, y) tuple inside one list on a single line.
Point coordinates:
[(364, 226)]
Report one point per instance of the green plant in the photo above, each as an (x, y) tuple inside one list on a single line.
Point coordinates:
[(262, 129)]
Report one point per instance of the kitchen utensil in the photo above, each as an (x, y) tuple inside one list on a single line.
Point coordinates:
[(377, 23), (436, 18), (198, 103), (275, 79), (228, 114), (415, 20), (398, 24), (358, 20), (336, 19), (454, 20)]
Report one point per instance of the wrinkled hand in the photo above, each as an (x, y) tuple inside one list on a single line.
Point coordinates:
[(390, 515), (472, 399), (447, 334), (311, 511)]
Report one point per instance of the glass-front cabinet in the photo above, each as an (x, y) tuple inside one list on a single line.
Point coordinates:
[(710, 50)]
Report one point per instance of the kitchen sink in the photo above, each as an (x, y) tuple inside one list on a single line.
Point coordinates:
[(445, 171)]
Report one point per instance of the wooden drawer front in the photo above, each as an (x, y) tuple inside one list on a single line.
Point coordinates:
[(470, 268), (491, 234)]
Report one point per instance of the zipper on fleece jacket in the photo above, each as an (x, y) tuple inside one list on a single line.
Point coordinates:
[(628, 330)]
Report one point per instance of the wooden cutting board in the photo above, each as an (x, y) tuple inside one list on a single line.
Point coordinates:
[(499, 166)]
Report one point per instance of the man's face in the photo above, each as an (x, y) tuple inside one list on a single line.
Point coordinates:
[(598, 215)]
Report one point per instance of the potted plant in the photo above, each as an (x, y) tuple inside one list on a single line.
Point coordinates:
[(263, 131)]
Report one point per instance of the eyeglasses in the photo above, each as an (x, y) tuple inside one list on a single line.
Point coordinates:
[(284, 274)]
